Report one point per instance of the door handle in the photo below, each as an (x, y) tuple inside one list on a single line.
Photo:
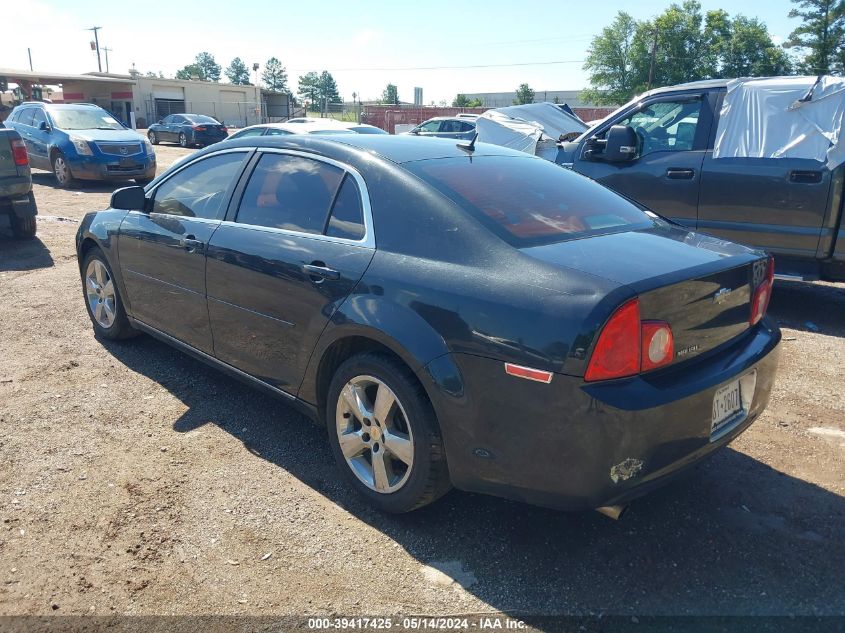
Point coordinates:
[(191, 244), (675, 173), (318, 271), (810, 177)]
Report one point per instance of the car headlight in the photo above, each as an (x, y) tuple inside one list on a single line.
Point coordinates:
[(83, 148), (149, 147)]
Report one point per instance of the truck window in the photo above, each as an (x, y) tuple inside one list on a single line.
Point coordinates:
[(665, 126)]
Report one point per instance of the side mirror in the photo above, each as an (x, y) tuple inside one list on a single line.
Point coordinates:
[(620, 144), (43, 126), (415, 132), (129, 198), (160, 123)]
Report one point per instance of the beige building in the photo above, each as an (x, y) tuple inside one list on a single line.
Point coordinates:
[(148, 99)]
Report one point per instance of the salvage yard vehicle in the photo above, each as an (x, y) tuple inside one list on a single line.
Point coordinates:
[(81, 141), (457, 127), (188, 130), (17, 202), (747, 160), (455, 314)]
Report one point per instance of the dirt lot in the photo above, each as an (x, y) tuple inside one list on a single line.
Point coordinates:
[(136, 480)]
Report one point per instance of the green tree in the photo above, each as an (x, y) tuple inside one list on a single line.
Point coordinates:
[(308, 89), (610, 62), (524, 94), (390, 95), (204, 68), (238, 73), (460, 101), (191, 71), (820, 35), (328, 88), (275, 76)]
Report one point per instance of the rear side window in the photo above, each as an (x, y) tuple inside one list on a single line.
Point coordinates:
[(289, 192), (347, 218), (529, 201), (199, 190)]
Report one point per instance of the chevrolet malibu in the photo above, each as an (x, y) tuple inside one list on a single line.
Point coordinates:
[(455, 315)]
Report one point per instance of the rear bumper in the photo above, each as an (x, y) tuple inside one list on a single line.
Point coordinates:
[(100, 168), (208, 139), (575, 445), (15, 187)]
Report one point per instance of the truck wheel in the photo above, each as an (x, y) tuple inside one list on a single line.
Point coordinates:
[(23, 228), (384, 434), (102, 298), (62, 171)]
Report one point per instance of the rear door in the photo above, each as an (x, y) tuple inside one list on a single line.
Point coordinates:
[(39, 139), (779, 204), (295, 247), (162, 252), (665, 174)]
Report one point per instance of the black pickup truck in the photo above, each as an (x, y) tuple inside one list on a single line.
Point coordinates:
[(658, 150), (16, 198)]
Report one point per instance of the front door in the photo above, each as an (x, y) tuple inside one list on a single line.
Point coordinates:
[(162, 252), (298, 245), (665, 173)]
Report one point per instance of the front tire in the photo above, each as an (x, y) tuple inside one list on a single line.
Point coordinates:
[(384, 434), (102, 298), (61, 170), (183, 139), (153, 138)]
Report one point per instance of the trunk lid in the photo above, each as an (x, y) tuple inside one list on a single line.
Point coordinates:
[(702, 286)]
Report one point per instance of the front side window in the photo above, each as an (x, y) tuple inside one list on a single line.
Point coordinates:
[(199, 190), (289, 192), (430, 126), (38, 117), (665, 126), (530, 201), (255, 131)]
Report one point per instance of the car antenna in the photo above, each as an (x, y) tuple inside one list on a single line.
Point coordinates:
[(468, 147)]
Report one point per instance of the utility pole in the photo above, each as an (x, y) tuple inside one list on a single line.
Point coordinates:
[(106, 49), (653, 55), (29, 52), (97, 45)]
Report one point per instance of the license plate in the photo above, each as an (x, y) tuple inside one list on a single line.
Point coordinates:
[(128, 162), (726, 404)]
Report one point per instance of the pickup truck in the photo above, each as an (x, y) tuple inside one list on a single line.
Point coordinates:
[(658, 150), (16, 198)]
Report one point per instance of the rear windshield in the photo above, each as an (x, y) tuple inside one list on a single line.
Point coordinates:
[(84, 118), (201, 118), (529, 201)]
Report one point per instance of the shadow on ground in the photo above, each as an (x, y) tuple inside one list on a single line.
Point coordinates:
[(736, 536), (47, 179), (22, 254), (811, 307)]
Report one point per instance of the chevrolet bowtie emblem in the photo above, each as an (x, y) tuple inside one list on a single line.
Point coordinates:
[(722, 295)]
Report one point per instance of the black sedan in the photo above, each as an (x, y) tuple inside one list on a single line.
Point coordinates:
[(188, 130), (455, 315)]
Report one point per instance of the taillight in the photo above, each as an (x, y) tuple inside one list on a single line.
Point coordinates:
[(199, 128), (628, 346), (19, 152), (224, 129), (763, 293), (617, 352), (658, 345)]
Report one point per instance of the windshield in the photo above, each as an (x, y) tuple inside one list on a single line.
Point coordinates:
[(530, 201), (84, 119)]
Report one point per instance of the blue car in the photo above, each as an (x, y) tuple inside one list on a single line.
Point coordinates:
[(82, 141)]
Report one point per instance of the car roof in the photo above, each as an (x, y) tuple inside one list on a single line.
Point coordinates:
[(395, 148), (704, 84)]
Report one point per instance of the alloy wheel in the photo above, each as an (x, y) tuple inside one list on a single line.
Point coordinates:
[(61, 170), (374, 434), (99, 290)]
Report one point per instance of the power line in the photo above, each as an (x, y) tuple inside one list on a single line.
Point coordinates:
[(398, 68)]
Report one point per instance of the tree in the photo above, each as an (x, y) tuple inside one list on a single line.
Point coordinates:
[(524, 94), (204, 68), (820, 35), (328, 88), (275, 77), (238, 73), (390, 95), (460, 101), (687, 46), (308, 89), (610, 62)]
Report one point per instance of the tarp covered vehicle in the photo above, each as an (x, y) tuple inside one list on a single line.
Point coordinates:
[(534, 128)]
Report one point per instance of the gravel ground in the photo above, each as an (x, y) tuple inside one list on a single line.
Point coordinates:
[(137, 481)]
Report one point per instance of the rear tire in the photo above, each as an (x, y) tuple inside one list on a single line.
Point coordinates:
[(61, 170), (23, 228), (392, 451), (102, 298), (183, 139)]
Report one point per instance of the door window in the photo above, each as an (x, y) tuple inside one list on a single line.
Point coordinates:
[(25, 117), (167, 120), (347, 218), (256, 131), (38, 117), (665, 126), (199, 190), (289, 192), (430, 126)]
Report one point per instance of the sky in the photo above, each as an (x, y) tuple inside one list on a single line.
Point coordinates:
[(444, 47)]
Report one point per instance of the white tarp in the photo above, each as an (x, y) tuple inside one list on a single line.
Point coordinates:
[(783, 117), (522, 127)]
